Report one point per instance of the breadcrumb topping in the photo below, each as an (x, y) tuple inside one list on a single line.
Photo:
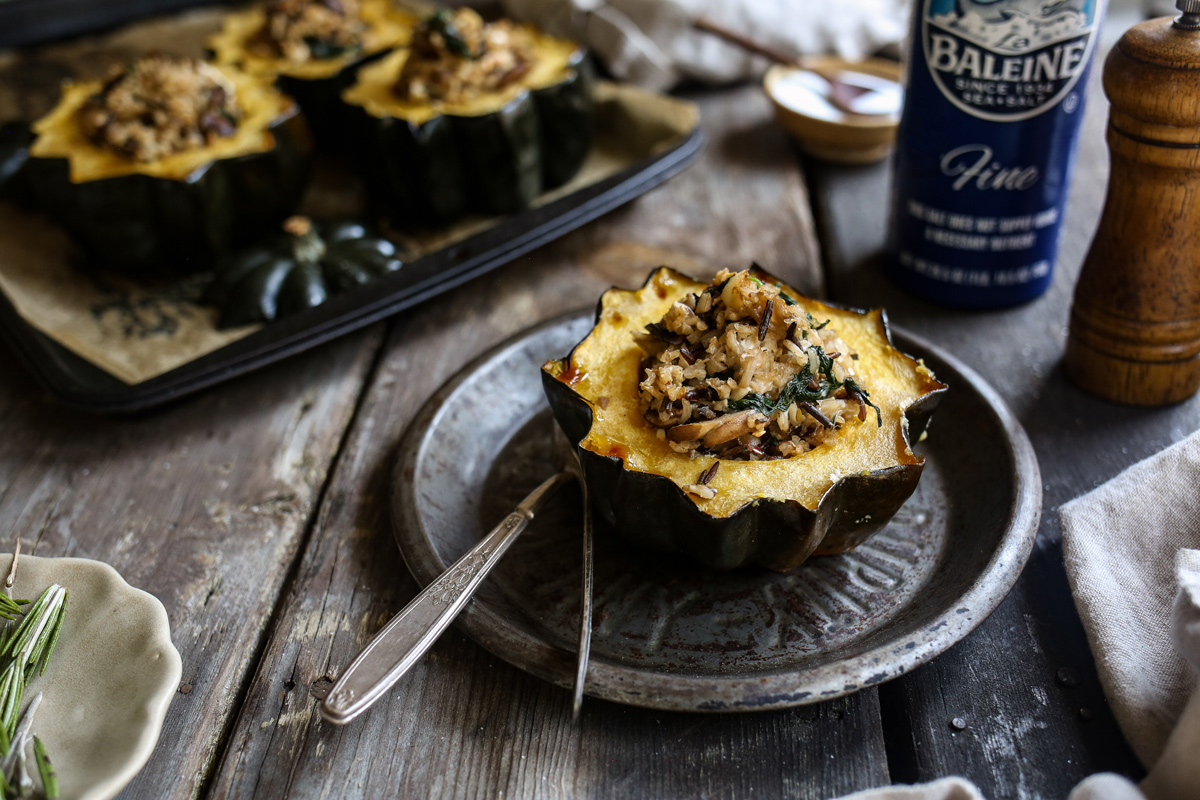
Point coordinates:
[(160, 106), (304, 30), (455, 56)]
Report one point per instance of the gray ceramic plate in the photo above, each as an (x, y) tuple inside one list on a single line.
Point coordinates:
[(669, 634)]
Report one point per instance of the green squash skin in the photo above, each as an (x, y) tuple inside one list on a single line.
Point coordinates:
[(321, 101), (567, 119), (504, 156), (652, 511), (273, 280), (153, 227), (450, 166), (15, 139), (302, 288)]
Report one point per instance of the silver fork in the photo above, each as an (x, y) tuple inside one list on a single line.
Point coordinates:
[(584, 649), (402, 642)]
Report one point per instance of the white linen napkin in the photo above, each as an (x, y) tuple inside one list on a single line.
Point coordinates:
[(1132, 553), (652, 42)]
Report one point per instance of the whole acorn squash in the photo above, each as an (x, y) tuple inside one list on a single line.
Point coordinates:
[(316, 84), (182, 212), (298, 270), (431, 162), (775, 513)]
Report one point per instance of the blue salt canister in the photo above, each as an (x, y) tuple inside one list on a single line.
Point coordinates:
[(994, 100)]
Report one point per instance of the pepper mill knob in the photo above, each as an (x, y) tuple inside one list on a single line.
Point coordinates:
[(1135, 323), (1190, 18)]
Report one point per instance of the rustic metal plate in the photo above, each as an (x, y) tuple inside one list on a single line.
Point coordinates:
[(671, 634)]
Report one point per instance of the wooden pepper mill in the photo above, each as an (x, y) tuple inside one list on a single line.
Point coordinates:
[(1135, 323)]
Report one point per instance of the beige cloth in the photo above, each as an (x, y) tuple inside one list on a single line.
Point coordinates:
[(652, 42), (1132, 552), (1097, 787), (1120, 543), (945, 789)]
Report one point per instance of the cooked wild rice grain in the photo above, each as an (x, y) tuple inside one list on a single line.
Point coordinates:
[(718, 363)]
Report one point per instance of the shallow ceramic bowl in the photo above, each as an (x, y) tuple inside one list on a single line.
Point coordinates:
[(110, 680), (842, 138)]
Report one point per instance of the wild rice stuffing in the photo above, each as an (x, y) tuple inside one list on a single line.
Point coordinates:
[(455, 57), (741, 371), (160, 106), (302, 30)]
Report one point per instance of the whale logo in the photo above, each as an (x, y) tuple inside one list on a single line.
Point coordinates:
[(1003, 10), (1007, 60)]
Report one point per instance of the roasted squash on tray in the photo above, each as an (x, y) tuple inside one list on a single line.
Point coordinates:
[(446, 137), (147, 192)]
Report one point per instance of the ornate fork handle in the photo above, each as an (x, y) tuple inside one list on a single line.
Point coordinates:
[(411, 632)]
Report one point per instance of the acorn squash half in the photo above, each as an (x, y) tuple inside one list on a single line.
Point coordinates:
[(775, 513), (315, 84), (429, 163), (181, 213)]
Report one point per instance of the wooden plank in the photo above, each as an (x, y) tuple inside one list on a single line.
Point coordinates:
[(203, 504), (463, 723), (1024, 682)]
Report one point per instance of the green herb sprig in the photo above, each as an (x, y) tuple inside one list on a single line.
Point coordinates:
[(45, 768), (25, 649), (800, 390), (443, 22), (797, 390)]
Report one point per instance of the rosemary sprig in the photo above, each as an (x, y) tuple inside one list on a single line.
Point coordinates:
[(9, 608), (45, 769), (25, 649)]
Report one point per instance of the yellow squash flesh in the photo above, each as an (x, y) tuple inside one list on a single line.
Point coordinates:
[(373, 90), (386, 27), (606, 365), (60, 136)]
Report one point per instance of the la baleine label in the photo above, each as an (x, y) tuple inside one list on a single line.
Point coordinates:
[(1007, 60)]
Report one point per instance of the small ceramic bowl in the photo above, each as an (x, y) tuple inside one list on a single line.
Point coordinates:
[(803, 108), (110, 680)]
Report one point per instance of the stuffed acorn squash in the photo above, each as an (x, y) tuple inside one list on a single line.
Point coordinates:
[(472, 117), (169, 164), (312, 48), (298, 270), (740, 422)]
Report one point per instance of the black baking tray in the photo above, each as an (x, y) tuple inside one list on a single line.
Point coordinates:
[(26, 22), (79, 383)]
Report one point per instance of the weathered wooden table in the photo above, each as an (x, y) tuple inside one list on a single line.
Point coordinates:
[(257, 512)]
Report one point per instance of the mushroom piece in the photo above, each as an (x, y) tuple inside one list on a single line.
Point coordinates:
[(720, 430)]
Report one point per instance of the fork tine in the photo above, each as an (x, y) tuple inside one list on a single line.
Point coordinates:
[(585, 605)]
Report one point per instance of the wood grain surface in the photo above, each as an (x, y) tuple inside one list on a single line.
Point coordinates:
[(1024, 683), (463, 723), (257, 512), (204, 504)]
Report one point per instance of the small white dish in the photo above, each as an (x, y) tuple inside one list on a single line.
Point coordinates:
[(805, 109), (110, 680)]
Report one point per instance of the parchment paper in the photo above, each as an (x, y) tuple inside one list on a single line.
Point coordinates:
[(137, 332)]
